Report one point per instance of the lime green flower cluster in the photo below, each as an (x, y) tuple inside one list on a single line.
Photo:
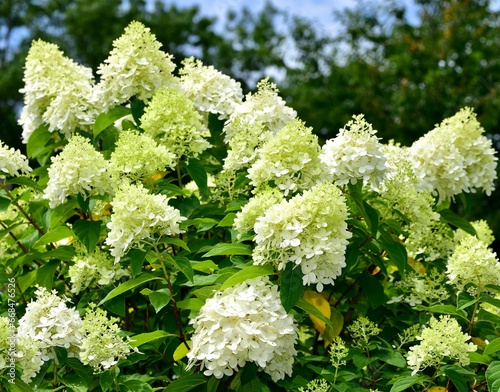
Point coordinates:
[(210, 90), (473, 262), (455, 157), (57, 92), (138, 156), (135, 67), (255, 208), (78, 169), (173, 121), (309, 230), (102, 347), (290, 160), (254, 122), (5, 333), (89, 270), (317, 385), (442, 339), (137, 215), (483, 232), (361, 331), (428, 237)]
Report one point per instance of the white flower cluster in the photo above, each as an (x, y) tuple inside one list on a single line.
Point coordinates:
[(173, 121), (244, 323), (137, 156), (354, 154), (78, 169), (12, 162), (473, 262), (57, 92), (309, 230), (49, 322), (210, 90), (455, 157), (253, 123), (290, 160), (137, 215), (442, 339), (93, 269), (135, 67)]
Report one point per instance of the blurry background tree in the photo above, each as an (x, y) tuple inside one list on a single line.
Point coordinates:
[(405, 74)]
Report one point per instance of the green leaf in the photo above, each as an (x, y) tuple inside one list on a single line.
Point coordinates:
[(20, 386), (373, 291), (136, 257), (444, 309), (104, 120), (61, 354), (309, 308), (393, 358), (236, 248), (4, 203), (493, 376), (107, 379), (84, 374), (251, 272), (37, 142), (492, 347), (148, 337), (457, 221), (185, 267), (228, 220), (475, 357), (174, 241), (395, 250), (403, 383), (137, 386), (137, 107), (159, 298), (191, 304), (197, 172), (129, 285), (57, 234), (291, 287), (88, 232), (62, 213), (457, 379), (203, 224), (186, 383), (22, 180), (45, 274)]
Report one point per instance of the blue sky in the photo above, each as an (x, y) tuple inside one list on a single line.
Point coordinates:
[(318, 11)]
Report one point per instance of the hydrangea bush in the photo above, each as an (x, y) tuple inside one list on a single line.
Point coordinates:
[(165, 232)]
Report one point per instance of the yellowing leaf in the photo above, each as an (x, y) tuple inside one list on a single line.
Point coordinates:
[(157, 176), (331, 332), (320, 303), (181, 351), (437, 389)]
